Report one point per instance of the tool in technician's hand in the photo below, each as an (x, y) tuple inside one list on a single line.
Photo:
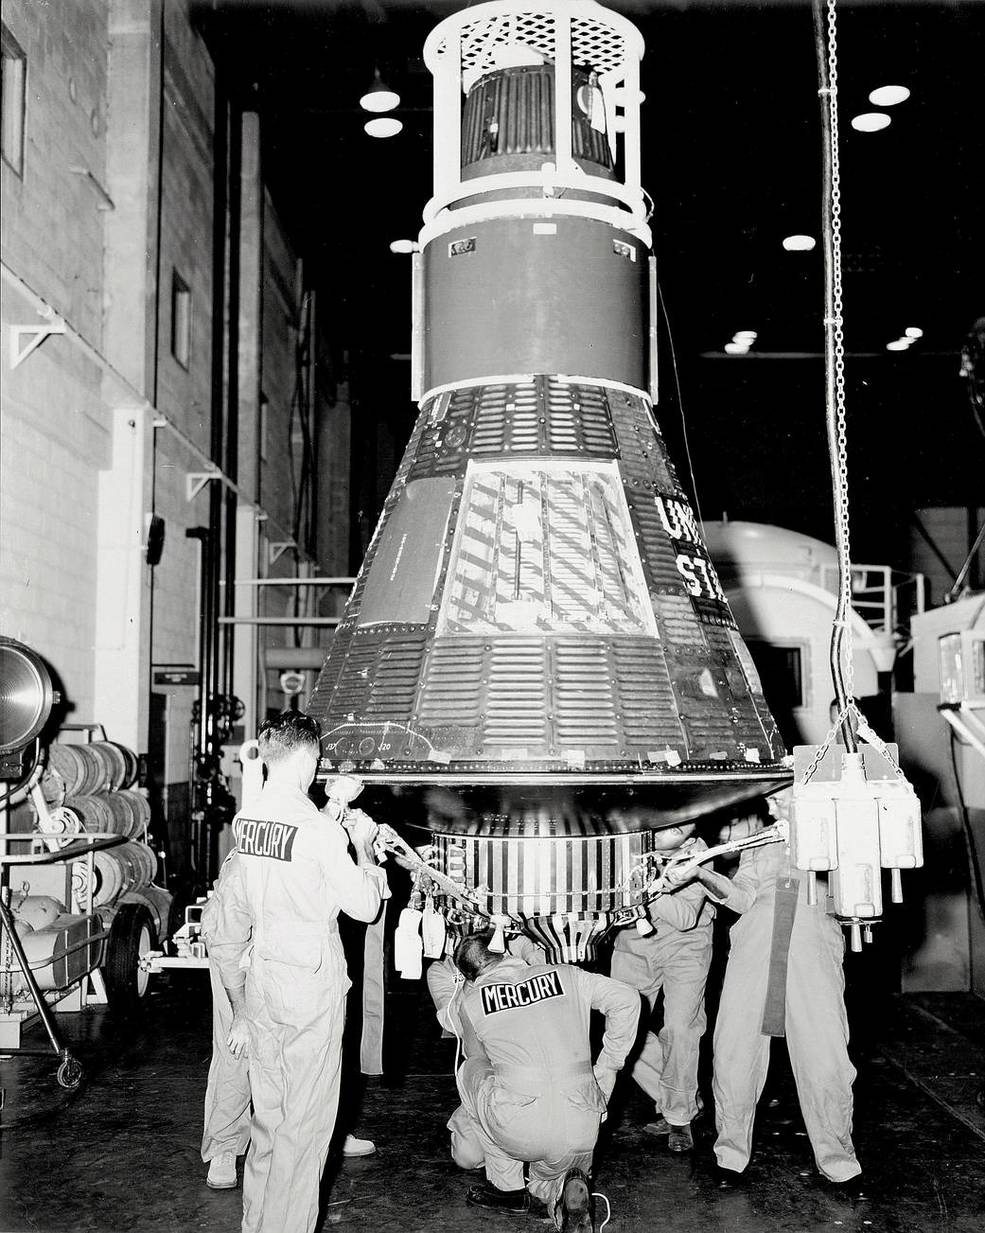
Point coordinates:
[(684, 862), (398, 847)]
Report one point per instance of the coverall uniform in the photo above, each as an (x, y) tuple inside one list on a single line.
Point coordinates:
[(227, 1094), (290, 877), (805, 1003), (528, 1088), (675, 958)]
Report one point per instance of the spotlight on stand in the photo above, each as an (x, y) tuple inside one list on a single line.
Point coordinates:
[(26, 699)]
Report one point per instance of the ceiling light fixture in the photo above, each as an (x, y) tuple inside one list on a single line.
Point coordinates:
[(379, 97), (889, 96), (735, 348), (383, 126), (898, 344), (799, 243), (745, 336), (912, 332), (403, 246), (871, 121)]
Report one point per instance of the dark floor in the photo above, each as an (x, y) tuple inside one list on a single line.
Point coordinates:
[(122, 1152)]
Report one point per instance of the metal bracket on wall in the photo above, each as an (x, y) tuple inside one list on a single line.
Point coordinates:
[(105, 201), (35, 334), (195, 481), (276, 550)]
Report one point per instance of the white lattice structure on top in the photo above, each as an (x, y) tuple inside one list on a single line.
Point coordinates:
[(566, 34), (599, 39)]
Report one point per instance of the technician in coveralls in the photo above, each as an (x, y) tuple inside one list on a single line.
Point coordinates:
[(676, 958), (529, 1090), (276, 944), (784, 977)]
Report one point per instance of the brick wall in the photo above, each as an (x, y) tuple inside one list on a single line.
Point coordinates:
[(54, 435)]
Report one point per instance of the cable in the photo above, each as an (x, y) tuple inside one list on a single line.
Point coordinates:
[(841, 648), (597, 1194), (680, 405)]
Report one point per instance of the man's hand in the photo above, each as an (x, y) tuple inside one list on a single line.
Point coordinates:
[(361, 827), (238, 1039), (680, 874), (605, 1077)]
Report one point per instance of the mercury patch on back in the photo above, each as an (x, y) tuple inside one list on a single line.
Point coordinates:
[(526, 993), (275, 840)]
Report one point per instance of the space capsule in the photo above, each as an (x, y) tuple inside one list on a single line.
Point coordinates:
[(537, 660)]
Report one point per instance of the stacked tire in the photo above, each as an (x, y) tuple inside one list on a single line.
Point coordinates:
[(93, 786)]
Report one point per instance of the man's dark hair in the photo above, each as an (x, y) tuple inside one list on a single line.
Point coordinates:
[(472, 954), (287, 732)]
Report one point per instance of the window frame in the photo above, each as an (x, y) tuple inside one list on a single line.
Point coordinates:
[(12, 52)]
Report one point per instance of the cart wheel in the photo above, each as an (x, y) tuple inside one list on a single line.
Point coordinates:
[(131, 936), (70, 1073)]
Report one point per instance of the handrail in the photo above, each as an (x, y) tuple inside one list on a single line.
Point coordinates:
[(78, 846)]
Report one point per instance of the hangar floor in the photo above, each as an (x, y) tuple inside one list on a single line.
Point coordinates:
[(122, 1152)]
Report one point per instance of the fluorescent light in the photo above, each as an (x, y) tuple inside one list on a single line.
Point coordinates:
[(734, 348), (889, 96), (871, 121), (383, 126), (745, 336), (799, 243), (899, 344), (403, 246), (913, 331)]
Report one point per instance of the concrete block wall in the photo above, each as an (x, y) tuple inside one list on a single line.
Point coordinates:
[(52, 226), (55, 427), (183, 395)]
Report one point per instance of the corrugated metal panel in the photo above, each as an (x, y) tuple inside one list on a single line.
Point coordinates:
[(396, 674), (641, 449), (584, 700), (451, 691), (517, 694), (647, 706)]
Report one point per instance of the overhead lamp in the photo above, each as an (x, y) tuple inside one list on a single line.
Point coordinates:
[(913, 332), (871, 121), (799, 243), (898, 344), (889, 96), (745, 336), (383, 126), (403, 246), (379, 97)]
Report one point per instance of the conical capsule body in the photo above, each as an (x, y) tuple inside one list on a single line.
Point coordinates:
[(537, 639)]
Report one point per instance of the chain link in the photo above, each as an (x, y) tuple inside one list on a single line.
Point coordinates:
[(838, 341)]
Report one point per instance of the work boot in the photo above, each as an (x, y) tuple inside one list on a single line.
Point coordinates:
[(358, 1147), (485, 1194), (660, 1127), (575, 1204), (680, 1138), (222, 1171)]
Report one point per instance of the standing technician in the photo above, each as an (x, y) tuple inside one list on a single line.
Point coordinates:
[(674, 958), (784, 978), (291, 876)]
